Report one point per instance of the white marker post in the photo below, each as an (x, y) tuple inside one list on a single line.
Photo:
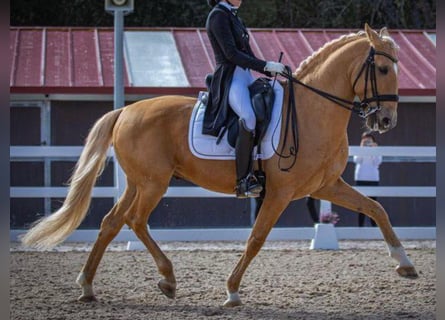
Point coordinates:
[(325, 237)]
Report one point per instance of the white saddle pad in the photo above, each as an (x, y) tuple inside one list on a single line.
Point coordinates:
[(204, 146)]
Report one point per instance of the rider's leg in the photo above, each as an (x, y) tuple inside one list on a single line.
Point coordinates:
[(239, 100), (239, 97), (247, 184)]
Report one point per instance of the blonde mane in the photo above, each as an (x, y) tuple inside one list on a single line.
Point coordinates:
[(326, 49), (320, 55)]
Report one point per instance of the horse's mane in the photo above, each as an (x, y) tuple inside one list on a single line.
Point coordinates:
[(326, 49), (329, 47)]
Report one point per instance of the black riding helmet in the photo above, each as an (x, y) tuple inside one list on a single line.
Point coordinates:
[(213, 3)]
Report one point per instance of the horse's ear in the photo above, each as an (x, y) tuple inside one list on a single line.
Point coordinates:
[(371, 34), (384, 32)]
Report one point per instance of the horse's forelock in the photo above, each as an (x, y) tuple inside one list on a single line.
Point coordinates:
[(391, 42)]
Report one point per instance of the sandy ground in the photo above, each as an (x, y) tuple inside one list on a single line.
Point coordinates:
[(285, 281)]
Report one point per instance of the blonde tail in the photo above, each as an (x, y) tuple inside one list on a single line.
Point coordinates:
[(54, 229)]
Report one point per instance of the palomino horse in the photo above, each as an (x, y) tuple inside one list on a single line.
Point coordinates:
[(150, 141)]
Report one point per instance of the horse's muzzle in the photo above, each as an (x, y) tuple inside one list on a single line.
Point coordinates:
[(383, 120)]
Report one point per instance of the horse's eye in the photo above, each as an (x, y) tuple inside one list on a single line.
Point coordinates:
[(383, 70)]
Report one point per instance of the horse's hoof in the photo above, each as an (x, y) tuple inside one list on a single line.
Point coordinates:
[(230, 303), (233, 300), (167, 288), (84, 298), (407, 272)]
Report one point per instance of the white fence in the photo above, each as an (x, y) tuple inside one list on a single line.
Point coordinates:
[(391, 154)]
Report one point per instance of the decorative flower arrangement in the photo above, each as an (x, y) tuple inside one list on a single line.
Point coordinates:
[(329, 217)]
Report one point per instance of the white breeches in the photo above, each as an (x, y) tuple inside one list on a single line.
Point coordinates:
[(239, 97)]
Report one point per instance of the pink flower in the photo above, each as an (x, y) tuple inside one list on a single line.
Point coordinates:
[(329, 217)]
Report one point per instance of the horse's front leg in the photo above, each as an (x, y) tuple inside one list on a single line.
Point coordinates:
[(268, 215), (344, 195)]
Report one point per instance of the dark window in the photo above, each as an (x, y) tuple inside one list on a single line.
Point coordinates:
[(24, 211), (72, 120), (61, 172), (416, 126), (25, 126), (26, 173), (99, 207), (200, 212)]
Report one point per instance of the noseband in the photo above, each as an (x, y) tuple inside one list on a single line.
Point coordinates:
[(363, 107)]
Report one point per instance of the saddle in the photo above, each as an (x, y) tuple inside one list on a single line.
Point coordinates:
[(262, 97)]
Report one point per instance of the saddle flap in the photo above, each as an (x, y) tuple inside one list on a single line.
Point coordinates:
[(263, 97)]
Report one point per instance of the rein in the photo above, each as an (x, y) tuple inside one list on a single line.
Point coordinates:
[(362, 108), (291, 124)]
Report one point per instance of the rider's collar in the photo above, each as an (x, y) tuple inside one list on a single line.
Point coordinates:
[(228, 6)]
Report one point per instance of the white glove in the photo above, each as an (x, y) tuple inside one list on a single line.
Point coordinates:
[(274, 67)]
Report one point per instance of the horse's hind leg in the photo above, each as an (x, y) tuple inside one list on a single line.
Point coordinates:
[(110, 227), (344, 195), (147, 199)]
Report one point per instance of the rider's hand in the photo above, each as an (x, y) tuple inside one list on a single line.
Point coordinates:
[(274, 67)]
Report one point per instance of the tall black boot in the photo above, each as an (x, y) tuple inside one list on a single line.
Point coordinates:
[(247, 183)]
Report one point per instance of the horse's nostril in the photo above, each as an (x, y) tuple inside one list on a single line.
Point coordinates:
[(386, 121)]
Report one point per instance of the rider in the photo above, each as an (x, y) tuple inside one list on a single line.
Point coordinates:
[(229, 86)]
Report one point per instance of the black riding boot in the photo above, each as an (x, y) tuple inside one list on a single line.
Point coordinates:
[(247, 183)]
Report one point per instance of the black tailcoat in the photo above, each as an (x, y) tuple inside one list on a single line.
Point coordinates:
[(230, 42)]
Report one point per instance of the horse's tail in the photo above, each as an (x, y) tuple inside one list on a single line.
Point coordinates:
[(54, 229)]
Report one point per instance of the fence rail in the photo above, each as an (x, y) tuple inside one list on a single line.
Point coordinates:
[(198, 192), (241, 234), (389, 154), (397, 153)]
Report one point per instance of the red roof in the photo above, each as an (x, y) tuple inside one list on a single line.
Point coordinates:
[(80, 60)]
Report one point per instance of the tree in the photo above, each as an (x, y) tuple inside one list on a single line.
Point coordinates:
[(402, 14)]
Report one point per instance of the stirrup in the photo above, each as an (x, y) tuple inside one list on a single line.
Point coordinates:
[(248, 187)]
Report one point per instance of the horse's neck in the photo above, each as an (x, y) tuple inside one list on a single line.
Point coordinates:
[(332, 72), (332, 76)]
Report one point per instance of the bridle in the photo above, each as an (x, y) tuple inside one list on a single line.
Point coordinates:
[(369, 68), (363, 107)]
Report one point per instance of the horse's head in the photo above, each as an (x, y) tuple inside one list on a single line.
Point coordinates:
[(376, 82)]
